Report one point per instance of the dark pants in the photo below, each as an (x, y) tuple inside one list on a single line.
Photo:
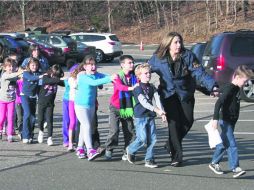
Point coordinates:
[(45, 113), (29, 107), (19, 117), (127, 127), (180, 119)]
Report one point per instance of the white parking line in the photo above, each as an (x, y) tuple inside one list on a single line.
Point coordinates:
[(239, 120)]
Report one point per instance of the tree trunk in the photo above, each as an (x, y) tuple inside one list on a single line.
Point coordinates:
[(158, 18), (22, 5), (109, 17)]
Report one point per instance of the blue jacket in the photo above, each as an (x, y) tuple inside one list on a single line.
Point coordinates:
[(184, 85), (30, 83)]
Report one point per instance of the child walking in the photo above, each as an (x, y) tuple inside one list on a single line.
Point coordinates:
[(144, 113), (46, 100), (121, 107), (28, 98), (85, 102), (8, 96), (229, 105)]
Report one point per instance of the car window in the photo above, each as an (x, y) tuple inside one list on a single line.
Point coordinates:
[(67, 39), (213, 46), (55, 40), (92, 38), (243, 46), (114, 38), (42, 38)]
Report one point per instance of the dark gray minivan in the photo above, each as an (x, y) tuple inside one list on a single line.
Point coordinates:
[(227, 50)]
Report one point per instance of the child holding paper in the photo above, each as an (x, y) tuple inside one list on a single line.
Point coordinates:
[(229, 105)]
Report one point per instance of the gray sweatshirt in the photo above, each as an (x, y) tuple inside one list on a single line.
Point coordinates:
[(8, 86)]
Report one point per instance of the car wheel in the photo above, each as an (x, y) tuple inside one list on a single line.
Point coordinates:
[(247, 91), (99, 55)]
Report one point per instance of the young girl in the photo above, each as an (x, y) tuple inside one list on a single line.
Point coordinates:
[(7, 96), (85, 102), (46, 100), (28, 97), (72, 115), (66, 97), (18, 107)]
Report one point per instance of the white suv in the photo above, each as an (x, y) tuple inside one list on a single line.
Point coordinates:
[(107, 45)]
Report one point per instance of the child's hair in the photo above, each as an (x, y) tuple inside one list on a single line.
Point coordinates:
[(88, 59), (32, 60), (140, 67), (33, 47), (243, 71), (55, 71), (123, 57), (8, 62)]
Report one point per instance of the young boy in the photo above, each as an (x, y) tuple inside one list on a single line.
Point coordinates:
[(121, 107), (144, 114), (229, 104)]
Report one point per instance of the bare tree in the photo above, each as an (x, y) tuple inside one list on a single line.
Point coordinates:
[(22, 4), (109, 16), (158, 18), (164, 14), (245, 8)]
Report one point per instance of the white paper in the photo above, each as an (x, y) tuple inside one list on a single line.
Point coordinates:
[(214, 137)]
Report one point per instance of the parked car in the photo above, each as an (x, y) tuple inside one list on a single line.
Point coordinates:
[(107, 45), (52, 53), (66, 43), (84, 50), (198, 49), (12, 45), (225, 52)]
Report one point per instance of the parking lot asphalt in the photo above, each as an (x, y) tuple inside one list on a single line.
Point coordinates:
[(38, 166)]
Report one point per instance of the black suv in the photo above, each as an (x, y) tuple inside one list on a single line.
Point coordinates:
[(225, 52)]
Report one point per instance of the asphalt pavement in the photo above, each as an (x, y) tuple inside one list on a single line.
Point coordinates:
[(38, 166)]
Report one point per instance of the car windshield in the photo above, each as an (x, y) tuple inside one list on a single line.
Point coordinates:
[(67, 39)]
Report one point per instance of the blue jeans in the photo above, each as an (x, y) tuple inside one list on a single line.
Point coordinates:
[(29, 107), (228, 144), (145, 135)]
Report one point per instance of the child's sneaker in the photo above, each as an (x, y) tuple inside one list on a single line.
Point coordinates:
[(70, 148), (92, 154), (130, 157), (216, 168), (40, 137), (50, 141), (238, 172), (108, 155), (80, 153), (25, 141), (124, 157), (151, 164), (10, 138), (19, 136)]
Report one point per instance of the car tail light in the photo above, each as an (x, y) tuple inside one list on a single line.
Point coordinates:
[(220, 63), (112, 43), (66, 50)]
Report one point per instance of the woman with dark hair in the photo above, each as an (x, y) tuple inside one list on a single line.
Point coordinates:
[(35, 53), (46, 98), (178, 69)]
